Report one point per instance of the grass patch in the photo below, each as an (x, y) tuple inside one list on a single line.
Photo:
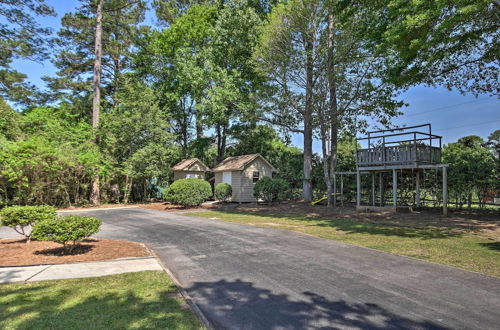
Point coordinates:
[(145, 300), (440, 245)]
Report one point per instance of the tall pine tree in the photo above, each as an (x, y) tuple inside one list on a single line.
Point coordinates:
[(21, 38), (75, 57)]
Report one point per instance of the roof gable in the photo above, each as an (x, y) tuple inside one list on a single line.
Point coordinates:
[(186, 164), (238, 163)]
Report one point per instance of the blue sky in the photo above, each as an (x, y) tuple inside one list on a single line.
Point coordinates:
[(451, 114)]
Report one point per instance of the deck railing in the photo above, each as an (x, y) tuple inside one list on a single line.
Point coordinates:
[(396, 146), (402, 154)]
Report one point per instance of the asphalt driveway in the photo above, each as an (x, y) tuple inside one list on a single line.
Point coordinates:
[(245, 277)]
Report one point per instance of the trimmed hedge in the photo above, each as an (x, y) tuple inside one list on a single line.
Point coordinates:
[(223, 191), (72, 228), (271, 190), (20, 217), (188, 192)]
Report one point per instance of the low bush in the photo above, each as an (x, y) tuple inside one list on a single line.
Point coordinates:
[(271, 190), (72, 228), (188, 192), (223, 191), (21, 217)]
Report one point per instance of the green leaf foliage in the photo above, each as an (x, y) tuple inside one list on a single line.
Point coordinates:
[(225, 78), (72, 228), (442, 42), (472, 168), (9, 122), (75, 48), (20, 217), (202, 70), (51, 163), (188, 192), (223, 191), (21, 36), (271, 190)]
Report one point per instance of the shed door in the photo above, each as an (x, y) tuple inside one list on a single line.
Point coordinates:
[(226, 177)]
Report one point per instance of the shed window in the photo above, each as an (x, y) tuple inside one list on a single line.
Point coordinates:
[(226, 177), (255, 177)]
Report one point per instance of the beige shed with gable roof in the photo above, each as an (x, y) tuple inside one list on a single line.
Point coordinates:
[(190, 168), (242, 172)]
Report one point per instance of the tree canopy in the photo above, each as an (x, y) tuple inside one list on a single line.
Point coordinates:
[(212, 79), (21, 37)]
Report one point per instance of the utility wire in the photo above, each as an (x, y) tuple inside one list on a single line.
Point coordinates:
[(443, 108), (478, 124)]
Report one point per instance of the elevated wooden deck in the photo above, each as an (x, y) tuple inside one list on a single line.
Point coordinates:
[(396, 149), (407, 149), (404, 154)]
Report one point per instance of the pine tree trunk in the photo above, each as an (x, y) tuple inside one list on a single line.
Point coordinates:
[(221, 131), (324, 149), (199, 125), (308, 126), (334, 122), (96, 102)]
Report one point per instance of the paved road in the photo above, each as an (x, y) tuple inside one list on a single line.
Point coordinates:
[(245, 277)]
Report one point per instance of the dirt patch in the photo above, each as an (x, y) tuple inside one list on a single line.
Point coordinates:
[(482, 222), (16, 252)]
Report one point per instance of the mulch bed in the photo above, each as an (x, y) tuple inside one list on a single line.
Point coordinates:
[(161, 206), (16, 252)]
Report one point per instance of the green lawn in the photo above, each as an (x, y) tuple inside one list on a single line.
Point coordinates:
[(143, 300), (444, 246)]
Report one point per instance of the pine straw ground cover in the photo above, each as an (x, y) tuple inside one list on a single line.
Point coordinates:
[(16, 252), (159, 206), (142, 300), (469, 244)]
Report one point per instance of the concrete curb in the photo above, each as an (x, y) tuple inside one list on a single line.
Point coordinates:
[(185, 295), (79, 262), (75, 270)]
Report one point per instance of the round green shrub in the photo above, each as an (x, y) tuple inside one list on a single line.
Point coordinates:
[(72, 228), (271, 190), (281, 189), (20, 217), (188, 192), (223, 191)]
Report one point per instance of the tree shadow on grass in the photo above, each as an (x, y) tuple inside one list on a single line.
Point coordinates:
[(355, 227), (241, 305), (492, 246), (45, 306)]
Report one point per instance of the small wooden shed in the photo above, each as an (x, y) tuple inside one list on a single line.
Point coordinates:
[(190, 168), (242, 172)]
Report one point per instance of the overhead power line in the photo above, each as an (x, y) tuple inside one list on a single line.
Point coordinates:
[(447, 107), (463, 126)]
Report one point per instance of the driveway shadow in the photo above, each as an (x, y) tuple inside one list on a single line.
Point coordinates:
[(241, 305)]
